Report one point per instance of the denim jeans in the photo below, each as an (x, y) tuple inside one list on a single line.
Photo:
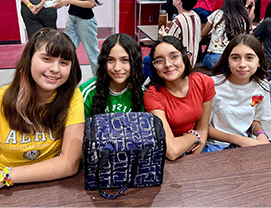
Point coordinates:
[(210, 60), (85, 31)]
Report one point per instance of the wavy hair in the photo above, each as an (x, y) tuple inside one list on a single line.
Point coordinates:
[(156, 79), (135, 80), (236, 18), (222, 67), (20, 106)]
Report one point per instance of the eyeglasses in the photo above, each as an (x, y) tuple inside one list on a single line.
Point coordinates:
[(159, 63)]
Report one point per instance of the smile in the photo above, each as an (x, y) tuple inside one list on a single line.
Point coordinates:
[(51, 78)]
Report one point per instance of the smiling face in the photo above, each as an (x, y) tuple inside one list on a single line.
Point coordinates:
[(118, 68), (173, 68), (48, 72), (243, 63)]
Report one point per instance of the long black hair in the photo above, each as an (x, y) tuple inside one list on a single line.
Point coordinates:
[(236, 18), (135, 80)]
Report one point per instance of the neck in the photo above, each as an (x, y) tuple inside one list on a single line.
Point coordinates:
[(117, 87), (178, 88)]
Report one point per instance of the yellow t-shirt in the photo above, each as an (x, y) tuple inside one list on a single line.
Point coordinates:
[(18, 149)]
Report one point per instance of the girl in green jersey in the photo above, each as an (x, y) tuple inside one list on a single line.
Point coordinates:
[(118, 85)]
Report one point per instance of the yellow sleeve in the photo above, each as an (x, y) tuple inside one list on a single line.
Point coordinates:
[(76, 109)]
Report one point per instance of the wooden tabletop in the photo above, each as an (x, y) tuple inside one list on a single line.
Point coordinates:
[(229, 178)]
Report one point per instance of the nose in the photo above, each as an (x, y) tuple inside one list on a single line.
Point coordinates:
[(242, 62), (167, 62), (117, 66), (54, 68)]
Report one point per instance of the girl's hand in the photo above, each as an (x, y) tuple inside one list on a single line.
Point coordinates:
[(36, 8), (162, 31), (61, 3)]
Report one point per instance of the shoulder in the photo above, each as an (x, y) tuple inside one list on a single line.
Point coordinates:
[(77, 97), (2, 91), (218, 78), (88, 87)]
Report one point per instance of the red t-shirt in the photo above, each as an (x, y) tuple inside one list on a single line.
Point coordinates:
[(181, 113)]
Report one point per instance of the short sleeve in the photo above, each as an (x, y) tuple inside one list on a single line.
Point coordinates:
[(76, 109), (211, 17), (209, 88), (262, 112), (152, 100)]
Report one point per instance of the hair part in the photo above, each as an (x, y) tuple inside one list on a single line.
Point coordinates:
[(21, 109), (135, 80), (156, 79), (222, 67)]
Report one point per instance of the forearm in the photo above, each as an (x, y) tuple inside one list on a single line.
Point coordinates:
[(239, 140), (177, 146), (51, 169)]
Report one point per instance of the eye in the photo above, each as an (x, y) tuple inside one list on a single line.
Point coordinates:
[(125, 60), (159, 61), (234, 57), (250, 57), (46, 58), (65, 63), (109, 60), (174, 57)]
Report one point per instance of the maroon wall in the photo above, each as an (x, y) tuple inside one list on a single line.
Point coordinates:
[(9, 27)]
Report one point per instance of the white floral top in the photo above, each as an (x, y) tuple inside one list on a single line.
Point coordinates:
[(219, 41)]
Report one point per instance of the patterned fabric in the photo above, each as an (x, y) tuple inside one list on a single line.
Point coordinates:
[(124, 136), (219, 41), (187, 28)]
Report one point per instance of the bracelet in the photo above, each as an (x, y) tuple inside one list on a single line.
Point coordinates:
[(5, 177), (254, 128), (196, 134), (263, 132), (28, 5)]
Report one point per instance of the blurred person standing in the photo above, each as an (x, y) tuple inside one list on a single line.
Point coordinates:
[(82, 27)]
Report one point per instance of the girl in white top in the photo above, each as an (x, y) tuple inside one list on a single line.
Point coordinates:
[(242, 97)]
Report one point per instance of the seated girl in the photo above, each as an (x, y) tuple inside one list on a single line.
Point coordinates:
[(242, 100), (118, 85), (180, 99), (42, 112)]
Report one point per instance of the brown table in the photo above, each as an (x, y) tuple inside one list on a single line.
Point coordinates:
[(229, 178)]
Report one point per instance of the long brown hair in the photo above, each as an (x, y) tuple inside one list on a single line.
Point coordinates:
[(20, 106)]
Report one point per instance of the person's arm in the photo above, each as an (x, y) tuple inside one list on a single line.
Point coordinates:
[(176, 146), (239, 140), (250, 6), (206, 30), (65, 165), (83, 4), (202, 124), (262, 138)]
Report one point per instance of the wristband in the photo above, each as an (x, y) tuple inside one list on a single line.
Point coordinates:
[(5, 177), (196, 134), (263, 132), (28, 5), (254, 128)]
